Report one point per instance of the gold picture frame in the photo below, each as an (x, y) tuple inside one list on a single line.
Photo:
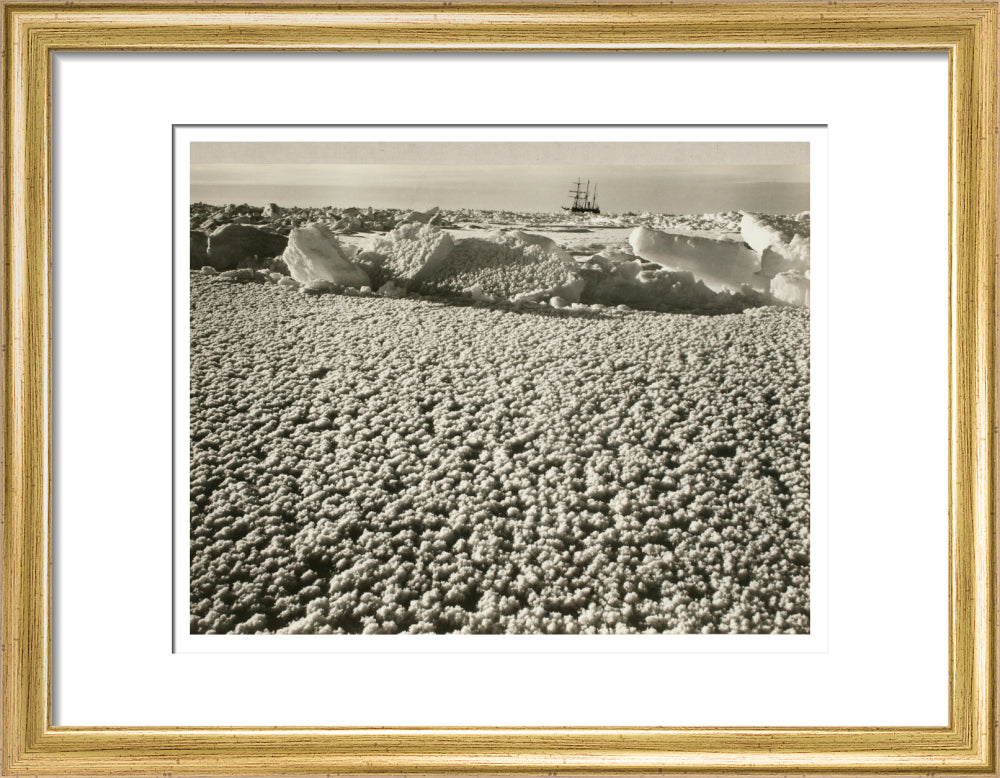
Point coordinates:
[(32, 32)]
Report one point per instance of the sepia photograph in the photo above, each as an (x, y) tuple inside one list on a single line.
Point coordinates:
[(499, 388)]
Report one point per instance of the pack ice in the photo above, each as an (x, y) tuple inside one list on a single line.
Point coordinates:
[(314, 254), (773, 256), (780, 248), (720, 264), (791, 287), (409, 253), (420, 217), (530, 239)]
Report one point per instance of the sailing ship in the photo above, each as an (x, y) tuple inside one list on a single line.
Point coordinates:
[(583, 201)]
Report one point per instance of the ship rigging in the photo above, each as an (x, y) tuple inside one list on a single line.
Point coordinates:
[(583, 200)]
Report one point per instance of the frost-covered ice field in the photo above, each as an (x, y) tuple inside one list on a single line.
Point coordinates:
[(381, 465)]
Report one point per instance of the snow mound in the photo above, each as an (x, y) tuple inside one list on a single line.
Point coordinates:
[(410, 253), (419, 217), (525, 239), (791, 287), (720, 264), (502, 265), (760, 235), (706, 224), (782, 243), (657, 289), (314, 254)]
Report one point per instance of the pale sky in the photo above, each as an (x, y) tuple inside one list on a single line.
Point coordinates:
[(658, 177)]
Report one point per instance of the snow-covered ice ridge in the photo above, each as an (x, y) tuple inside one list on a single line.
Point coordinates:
[(365, 464), (710, 262)]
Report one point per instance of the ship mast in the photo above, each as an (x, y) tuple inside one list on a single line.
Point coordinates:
[(583, 202)]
